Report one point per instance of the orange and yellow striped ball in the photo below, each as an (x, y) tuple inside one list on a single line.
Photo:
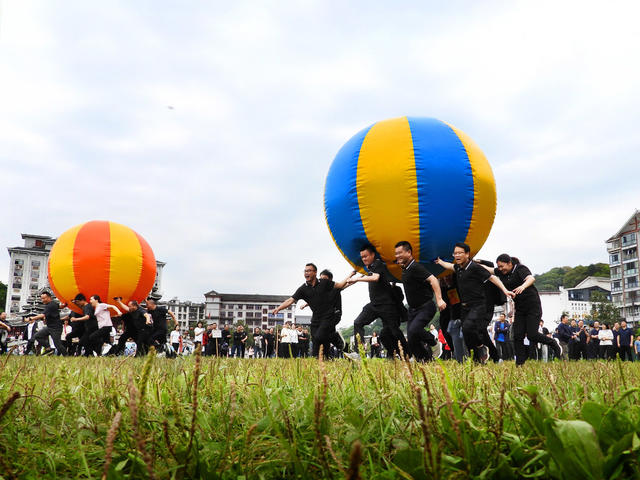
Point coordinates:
[(101, 258)]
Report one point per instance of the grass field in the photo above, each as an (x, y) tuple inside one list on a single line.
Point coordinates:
[(211, 418)]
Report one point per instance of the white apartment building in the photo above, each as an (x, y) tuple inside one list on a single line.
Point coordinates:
[(623, 262), (230, 308), (576, 301), (253, 309), (28, 270)]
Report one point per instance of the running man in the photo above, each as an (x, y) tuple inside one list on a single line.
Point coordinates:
[(470, 278), (316, 293), (53, 325), (381, 304), (419, 288)]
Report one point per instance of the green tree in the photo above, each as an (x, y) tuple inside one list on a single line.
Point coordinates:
[(569, 277), (3, 296), (603, 310)]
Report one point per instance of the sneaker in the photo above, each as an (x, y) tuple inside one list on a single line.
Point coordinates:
[(352, 356)]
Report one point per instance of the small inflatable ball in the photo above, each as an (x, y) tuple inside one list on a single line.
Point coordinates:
[(101, 258), (409, 178)]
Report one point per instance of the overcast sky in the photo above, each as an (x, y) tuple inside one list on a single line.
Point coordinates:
[(209, 127)]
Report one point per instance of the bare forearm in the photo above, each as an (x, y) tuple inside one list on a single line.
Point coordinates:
[(496, 281), (286, 304), (445, 265), (435, 285)]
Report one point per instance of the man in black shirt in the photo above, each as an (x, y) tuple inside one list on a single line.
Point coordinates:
[(625, 342), (137, 325), (594, 341), (82, 325), (53, 328), (470, 278), (335, 297), (382, 304), (269, 342), (419, 288), (317, 294), (159, 334), (564, 335)]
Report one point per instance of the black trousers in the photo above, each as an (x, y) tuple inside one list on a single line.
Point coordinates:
[(579, 350), (322, 334), (139, 336), (526, 322), (94, 340), (77, 331), (484, 334), (212, 348), (592, 349), (390, 334), (42, 337), (626, 353), (30, 343), (419, 318), (158, 339), (502, 348), (473, 319)]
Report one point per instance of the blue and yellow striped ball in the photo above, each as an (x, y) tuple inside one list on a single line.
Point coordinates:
[(409, 178)]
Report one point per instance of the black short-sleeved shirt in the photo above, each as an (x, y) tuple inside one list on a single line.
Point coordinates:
[(319, 298), (380, 291), (625, 334), (226, 334), (52, 314), (90, 323), (135, 319), (238, 337), (470, 281), (512, 280), (417, 288), (159, 317)]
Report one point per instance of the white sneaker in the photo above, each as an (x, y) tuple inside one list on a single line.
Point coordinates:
[(352, 356)]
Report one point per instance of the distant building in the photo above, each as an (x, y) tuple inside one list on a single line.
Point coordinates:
[(187, 313), (623, 263), (28, 270), (252, 309), (231, 308), (576, 301)]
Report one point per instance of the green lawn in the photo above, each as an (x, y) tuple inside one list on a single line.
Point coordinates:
[(210, 418)]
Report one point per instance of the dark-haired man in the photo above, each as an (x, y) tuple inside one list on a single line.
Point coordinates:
[(82, 324), (316, 293), (158, 314), (419, 288), (471, 278), (381, 304), (53, 327), (564, 335), (334, 337), (137, 325)]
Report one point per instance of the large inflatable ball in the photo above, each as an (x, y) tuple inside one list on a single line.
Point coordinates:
[(101, 258), (409, 178)]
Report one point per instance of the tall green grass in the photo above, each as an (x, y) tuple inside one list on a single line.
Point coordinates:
[(225, 418)]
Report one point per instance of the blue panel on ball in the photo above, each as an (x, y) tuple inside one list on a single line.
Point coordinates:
[(341, 199), (445, 188)]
